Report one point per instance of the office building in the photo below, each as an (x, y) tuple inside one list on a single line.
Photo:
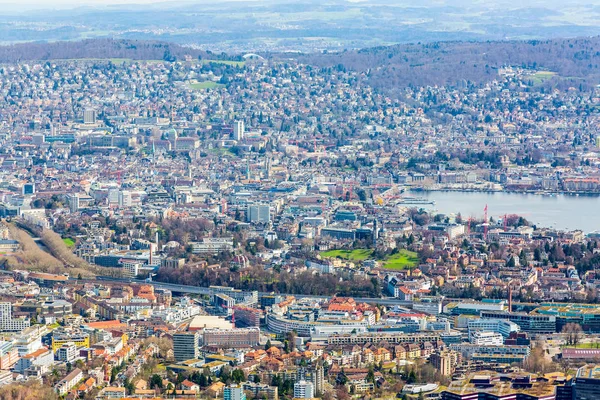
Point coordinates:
[(238, 130), (125, 198), (485, 338), (501, 326), (8, 323), (586, 385), (226, 338), (259, 213), (531, 323), (185, 346), (304, 390), (67, 352), (234, 393), (89, 116)]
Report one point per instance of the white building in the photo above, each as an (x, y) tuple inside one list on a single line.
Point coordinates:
[(68, 382), (483, 338), (8, 323), (67, 352), (238, 130), (503, 327), (42, 357), (125, 198), (304, 390)]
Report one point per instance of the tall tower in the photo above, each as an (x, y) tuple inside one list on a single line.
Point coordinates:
[(238, 130)]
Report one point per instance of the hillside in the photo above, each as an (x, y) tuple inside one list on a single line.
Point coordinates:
[(100, 49), (576, 62)]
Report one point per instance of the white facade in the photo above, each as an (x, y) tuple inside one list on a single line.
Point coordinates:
[(238, 130), (483, 338), (8, 323), (304, 390), (503, 327)]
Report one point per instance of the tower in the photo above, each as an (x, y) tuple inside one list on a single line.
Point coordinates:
[(238, 130)]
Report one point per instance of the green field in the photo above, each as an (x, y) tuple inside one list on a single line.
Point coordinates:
[(205, 85), (541, 76), (352, 255), (401, 260), (585, 346), (69, 242)]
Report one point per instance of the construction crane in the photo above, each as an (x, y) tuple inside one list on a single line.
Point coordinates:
[(485, 222)]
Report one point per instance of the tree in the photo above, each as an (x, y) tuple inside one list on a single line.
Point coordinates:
[(573, 333), (268, 345), (156, 382)]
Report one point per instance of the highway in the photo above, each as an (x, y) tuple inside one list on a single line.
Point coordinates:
[(207, 291)]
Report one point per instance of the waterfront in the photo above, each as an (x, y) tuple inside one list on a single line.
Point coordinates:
[(558, 211)]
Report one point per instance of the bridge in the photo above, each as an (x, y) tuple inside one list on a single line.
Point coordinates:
[(199, 290)]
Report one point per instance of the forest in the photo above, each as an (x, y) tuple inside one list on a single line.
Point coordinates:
[(575, 62)]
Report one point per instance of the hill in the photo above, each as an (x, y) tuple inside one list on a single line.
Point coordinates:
[(101, 49), (575, 62)]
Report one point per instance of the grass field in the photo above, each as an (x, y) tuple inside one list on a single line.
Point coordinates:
[(541, 76), (586, 346), (205, 85), (69, 242), (352, 255), (401, 260)]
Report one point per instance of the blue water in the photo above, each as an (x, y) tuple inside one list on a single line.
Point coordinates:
[(567, 212)]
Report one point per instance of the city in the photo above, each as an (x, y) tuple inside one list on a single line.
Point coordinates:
[(262, 226)]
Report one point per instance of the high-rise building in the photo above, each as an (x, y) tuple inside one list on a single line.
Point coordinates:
[(259, 213), (8, 323), (238, 130), (89, 116), (234, 393), (444, 362), (125, 198), (304, 390), (185, 346)]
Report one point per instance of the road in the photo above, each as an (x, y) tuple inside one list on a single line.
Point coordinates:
[(207, 291)]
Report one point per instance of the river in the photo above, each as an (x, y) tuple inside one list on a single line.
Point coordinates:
[(566, 212)]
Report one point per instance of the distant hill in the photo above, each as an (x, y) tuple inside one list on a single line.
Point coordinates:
[(100, 49), (576, 62)]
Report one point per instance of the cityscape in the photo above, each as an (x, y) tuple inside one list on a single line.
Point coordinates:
[(327, 223)]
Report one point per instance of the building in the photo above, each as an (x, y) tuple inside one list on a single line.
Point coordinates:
[(185, 346), (586, 385), (79, 339), (304, 390), (234, 393), (68, 382), (501, 326), (531, 323), (67, 352), (259, 213), (247, 316), (9, 355), (485, 338), (89, 116), (42, 357), (238, 130), (212, 246), (237, 337), (444, 362), (8, 323), (261, 391)]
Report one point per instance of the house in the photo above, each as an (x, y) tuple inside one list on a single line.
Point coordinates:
[(190, 386)]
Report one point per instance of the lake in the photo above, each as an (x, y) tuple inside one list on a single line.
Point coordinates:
[(567, 212)]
